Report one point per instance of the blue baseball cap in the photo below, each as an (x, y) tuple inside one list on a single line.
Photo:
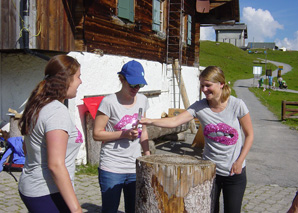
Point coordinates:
[(133, 72)]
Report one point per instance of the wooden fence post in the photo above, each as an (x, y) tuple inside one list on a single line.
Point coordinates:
[(174, 183), (291, 109), (283, 110)]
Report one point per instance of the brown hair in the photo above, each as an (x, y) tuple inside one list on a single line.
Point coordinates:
[(216, 75), (59, 73)]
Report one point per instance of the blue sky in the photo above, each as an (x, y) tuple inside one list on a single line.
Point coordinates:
[(267, 21)]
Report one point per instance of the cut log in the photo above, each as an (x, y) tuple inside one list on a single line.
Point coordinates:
[(93, 147), (174, 183), (155, 132)]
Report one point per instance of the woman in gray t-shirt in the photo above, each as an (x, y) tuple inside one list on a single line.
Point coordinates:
[(116, 124), (51, 140), (223, 117)]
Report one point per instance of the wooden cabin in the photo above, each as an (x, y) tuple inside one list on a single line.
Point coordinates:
[(102, 35), (157, 30)]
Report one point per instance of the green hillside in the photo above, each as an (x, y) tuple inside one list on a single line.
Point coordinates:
[(238, 64)]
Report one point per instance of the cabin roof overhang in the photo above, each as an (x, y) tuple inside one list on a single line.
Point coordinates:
[(220, 12)]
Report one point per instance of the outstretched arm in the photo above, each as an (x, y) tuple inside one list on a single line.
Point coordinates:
[(171, 122), (246, 125)]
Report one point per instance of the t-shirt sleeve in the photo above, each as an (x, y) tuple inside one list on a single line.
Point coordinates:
[(104, 106), (192, 109), (242, 110), (58, 119)]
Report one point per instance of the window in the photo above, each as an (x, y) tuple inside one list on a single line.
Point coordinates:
[(157, 15), (126, 9), (189, 30)]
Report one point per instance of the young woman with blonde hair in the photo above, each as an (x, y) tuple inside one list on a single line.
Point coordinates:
[(222, 117)]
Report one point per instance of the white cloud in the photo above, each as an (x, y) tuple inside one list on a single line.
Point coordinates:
[(290, 44), (207, 33), (260, 24)]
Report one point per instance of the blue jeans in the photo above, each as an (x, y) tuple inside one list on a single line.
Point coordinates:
[(111, 185)]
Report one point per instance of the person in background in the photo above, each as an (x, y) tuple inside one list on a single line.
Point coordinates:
[(116, 125), (52, 141), (279, 80), (222, 117)]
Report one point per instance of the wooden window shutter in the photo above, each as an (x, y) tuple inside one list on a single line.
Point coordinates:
[(189, 30), (126, 9), (156, 15)]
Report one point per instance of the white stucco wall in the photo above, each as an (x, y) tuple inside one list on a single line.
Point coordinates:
[(19, 74)]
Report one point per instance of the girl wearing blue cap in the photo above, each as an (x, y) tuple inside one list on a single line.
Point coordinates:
[(116, 124)]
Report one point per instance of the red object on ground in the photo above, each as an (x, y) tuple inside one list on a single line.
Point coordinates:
[(92, 104)]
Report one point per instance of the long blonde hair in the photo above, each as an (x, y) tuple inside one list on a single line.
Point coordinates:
[(216, 75)]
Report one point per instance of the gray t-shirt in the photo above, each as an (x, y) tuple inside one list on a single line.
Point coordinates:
[(222, 132), (36, 179), (119, 156)]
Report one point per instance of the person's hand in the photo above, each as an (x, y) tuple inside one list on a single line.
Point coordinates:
[(145, 121), (236, 168), (131, 134)]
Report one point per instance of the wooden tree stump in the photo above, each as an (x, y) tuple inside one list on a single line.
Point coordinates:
[(174, 183), (93, 147)]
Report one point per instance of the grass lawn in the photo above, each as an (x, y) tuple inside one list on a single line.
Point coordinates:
[(87, 169)]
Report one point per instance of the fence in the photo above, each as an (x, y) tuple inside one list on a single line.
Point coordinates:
[(289, 112)]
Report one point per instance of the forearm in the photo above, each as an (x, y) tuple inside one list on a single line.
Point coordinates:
[(164, 122), (145, 142), (145, 147), (169, 122), (63, 183), (107, 136), (246, 125), (246, 147)]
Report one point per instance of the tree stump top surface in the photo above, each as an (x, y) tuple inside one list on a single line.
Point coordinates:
[(179, 160)]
